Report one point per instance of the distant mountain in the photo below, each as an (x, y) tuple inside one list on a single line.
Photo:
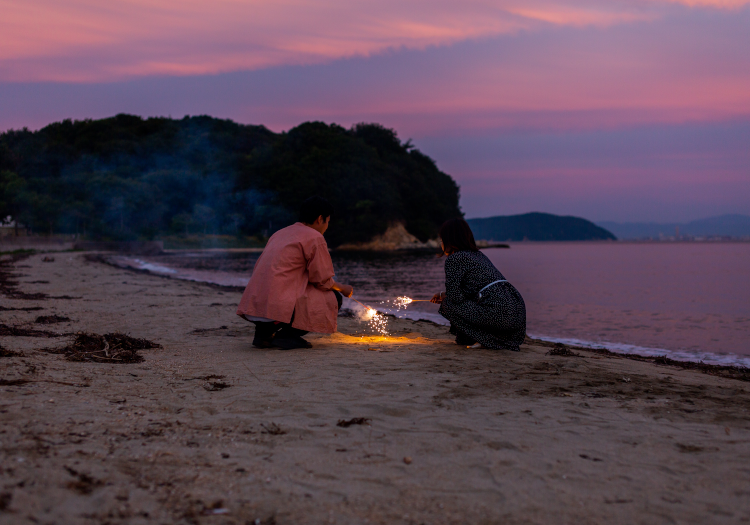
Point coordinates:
[(734, 225), (537, 227)]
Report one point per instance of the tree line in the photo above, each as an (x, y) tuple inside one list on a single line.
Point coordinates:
[(126, 177)]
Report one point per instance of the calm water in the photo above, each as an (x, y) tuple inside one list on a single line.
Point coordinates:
[(690, 301)]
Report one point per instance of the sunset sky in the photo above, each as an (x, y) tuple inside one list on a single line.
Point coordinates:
[(629, 110)]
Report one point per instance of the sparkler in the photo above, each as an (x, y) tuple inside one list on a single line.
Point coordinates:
[(378, 322), (403, 302)]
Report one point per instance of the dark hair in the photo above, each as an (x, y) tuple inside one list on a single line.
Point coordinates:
[(457, 237), (313, 208)]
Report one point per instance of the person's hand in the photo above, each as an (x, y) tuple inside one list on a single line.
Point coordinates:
[(346, 290), (437, 298)]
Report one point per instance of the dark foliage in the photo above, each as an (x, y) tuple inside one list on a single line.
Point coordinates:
[(367, 173), (537, 227), (131, 178)]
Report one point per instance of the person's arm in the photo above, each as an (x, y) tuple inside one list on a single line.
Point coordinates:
[(345, 289), (320, 271)]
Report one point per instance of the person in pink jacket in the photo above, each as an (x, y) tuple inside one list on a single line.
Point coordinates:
[(292, 290)]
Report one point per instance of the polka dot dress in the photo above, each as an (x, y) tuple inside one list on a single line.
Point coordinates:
[(498, 319)]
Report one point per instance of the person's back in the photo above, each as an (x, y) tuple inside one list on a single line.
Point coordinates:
[(292, 291)]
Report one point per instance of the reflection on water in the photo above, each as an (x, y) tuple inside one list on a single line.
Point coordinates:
[(645, 298)]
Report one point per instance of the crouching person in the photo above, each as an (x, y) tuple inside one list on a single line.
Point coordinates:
[(292, 290)]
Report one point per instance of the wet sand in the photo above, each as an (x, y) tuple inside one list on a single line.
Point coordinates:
[(210, 430)]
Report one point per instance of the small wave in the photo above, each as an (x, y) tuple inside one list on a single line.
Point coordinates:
[(678, 355), (151, 267)]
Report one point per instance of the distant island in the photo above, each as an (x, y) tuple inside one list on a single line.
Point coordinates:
[(130, 178), (537, 227), (732, 226)]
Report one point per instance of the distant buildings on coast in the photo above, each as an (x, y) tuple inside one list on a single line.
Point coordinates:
[(721, 228), (9, 226)]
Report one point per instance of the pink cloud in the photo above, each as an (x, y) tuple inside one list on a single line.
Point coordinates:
[(90, 40)]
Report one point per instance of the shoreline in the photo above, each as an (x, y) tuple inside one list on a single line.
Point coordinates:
[(359, 429), (713, 359)]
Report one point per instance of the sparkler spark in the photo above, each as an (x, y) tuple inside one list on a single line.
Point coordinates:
[(402, 302), (378, 322)]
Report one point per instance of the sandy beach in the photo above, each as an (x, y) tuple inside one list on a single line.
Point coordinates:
[(408, 429)]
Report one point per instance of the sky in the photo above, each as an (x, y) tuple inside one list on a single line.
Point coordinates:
[(625, 110)]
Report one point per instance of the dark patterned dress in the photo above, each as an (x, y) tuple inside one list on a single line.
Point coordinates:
[(498, 318)]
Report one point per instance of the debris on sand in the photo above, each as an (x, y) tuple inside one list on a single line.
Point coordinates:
[(205, 330), (8, 286), (84, 483), (9, 353), (13, 382), (273, 429), (354, 421), (213, 386), (14, 331), (51, 319), (562, 350), (47, 258), (18, 382), (108, 348), (5, 499), (22, 309)]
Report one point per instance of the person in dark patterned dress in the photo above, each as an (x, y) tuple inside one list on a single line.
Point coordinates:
[(484, 309)]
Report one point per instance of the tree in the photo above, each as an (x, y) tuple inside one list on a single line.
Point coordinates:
[(13, 196)]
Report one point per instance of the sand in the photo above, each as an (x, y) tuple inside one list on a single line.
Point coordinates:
[(210, 430)]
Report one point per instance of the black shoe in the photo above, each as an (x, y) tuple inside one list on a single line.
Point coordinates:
[(290, 343), (264, 334), (262, 343), (464, 340)]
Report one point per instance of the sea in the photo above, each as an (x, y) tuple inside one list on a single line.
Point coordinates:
[(687, 301)]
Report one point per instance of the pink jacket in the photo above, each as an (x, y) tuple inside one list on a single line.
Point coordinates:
[(293, 274)]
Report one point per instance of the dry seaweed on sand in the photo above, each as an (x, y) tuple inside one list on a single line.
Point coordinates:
[(18, 382), (213, 386), (51, 319), (84, 483), (354, 421), (13, 382), (273, 429), (22, 309), (204, 330), (9, 353), (9, 286), (108, 348), (562, 350), (15, 331)]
